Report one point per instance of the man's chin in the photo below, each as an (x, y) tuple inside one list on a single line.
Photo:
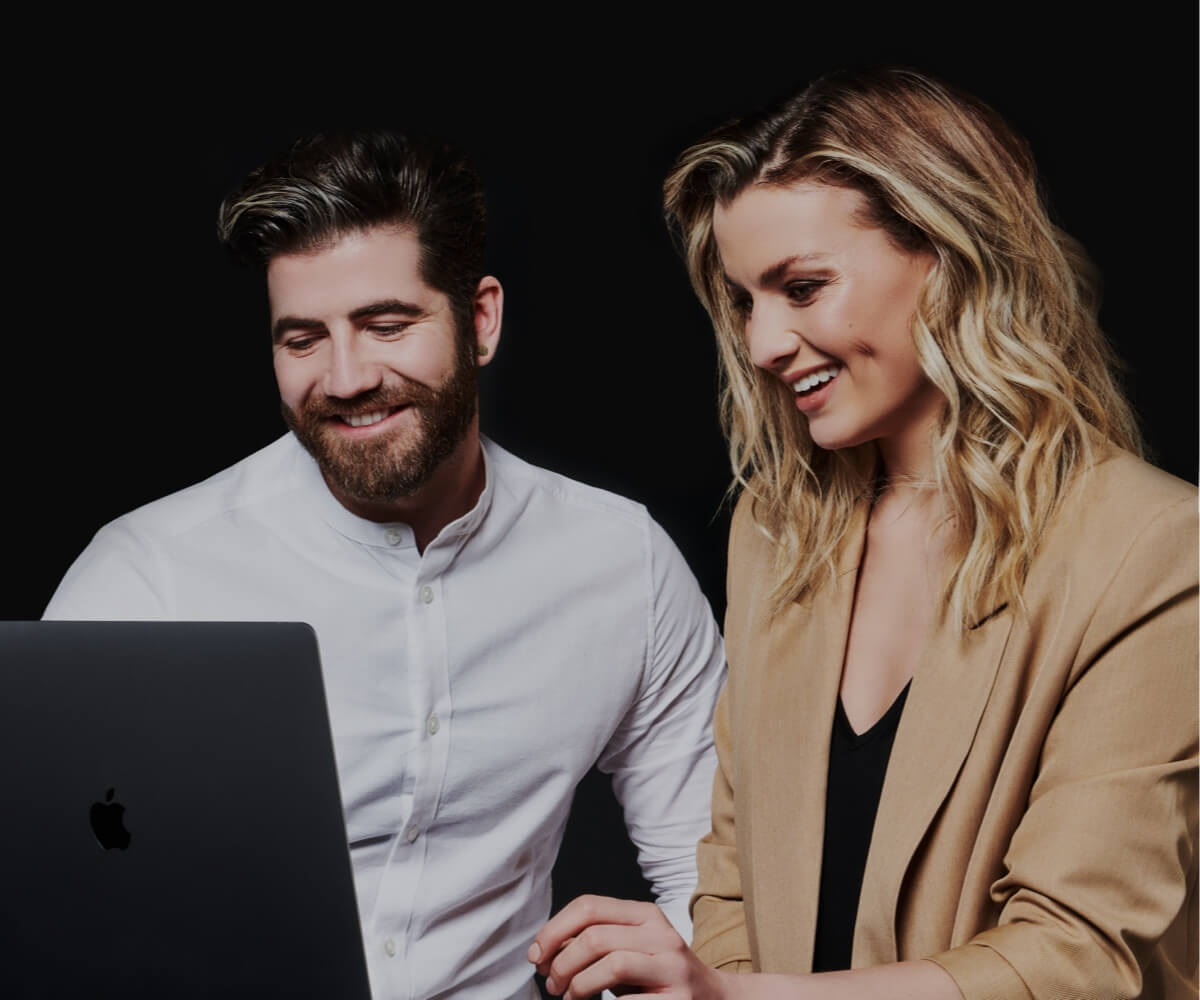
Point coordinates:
[(357, 493), (370, 471)]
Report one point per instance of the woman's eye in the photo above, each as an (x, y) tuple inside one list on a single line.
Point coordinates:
[(802, 292), (742, 305)]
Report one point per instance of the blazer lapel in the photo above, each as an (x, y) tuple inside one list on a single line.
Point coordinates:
[(798, 693), (950, 688)]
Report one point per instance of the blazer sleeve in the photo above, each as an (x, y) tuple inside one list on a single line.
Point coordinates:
[(1098, 868), (720, 936)]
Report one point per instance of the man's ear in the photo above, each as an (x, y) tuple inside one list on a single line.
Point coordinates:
[(489, 309)]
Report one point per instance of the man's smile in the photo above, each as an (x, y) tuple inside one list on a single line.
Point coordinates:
[(369, 423)]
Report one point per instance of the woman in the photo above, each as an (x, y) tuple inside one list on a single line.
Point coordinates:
[(947, 565)]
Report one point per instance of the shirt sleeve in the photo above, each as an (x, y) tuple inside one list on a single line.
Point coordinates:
[(120, 576), (1098, 869), (661, 758)]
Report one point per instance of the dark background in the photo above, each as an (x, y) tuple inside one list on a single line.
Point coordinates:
[(142, 361)]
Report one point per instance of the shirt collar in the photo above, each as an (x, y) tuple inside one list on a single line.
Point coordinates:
[(396, 534)]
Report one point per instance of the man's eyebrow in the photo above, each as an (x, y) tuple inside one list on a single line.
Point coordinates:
[(381, 308), (384, 306), (286, 323)]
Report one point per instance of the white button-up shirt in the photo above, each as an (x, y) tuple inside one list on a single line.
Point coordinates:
[(553, 627)]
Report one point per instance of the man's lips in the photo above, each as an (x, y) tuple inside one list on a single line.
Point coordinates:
[(366, 422), (366, 419)]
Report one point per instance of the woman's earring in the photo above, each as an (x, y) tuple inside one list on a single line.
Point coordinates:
[(481, 350)]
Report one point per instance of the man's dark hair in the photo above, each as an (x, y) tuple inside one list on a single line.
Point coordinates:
[(331, 184)]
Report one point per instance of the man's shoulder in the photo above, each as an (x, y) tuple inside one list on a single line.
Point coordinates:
[(126, 571), (258, 479), (524, 481), (603, 531)]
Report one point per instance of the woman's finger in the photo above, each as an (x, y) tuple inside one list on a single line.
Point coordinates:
[(616, 970), (593, 943), (583, 912)]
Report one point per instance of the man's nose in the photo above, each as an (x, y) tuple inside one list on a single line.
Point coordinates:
[(351, 370)]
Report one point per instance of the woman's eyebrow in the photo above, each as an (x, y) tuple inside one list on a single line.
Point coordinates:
[(773, 274)]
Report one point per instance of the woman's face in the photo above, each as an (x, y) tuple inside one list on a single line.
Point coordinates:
[(828, 303)]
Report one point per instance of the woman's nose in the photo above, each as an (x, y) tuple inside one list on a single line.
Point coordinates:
[(770, 339)]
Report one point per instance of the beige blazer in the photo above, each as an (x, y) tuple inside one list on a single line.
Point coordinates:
[(1037, 830)]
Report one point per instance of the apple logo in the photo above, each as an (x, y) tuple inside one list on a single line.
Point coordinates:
[(108, 823)]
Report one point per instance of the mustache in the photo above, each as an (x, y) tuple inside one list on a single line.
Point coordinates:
[(383, 397)]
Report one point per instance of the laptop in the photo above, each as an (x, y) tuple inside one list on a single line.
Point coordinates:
[(172, 823)]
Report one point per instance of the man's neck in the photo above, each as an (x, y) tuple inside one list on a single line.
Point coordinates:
[(452, 490)]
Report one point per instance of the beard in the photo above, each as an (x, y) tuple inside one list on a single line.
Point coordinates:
[(396, 465)]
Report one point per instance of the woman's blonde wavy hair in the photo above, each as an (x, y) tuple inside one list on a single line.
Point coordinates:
[(1006, 326)]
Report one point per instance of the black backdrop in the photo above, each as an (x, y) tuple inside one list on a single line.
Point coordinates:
[(141, 359)]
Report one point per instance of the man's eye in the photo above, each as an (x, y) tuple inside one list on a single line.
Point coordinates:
[(388, 329), (298, 345)]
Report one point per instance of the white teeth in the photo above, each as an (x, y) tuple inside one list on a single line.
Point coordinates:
[(365, 419), (816, 378)]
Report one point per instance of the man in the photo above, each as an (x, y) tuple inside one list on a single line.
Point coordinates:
[(489, 630)]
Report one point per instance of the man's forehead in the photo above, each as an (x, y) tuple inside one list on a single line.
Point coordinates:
[(356, 268)]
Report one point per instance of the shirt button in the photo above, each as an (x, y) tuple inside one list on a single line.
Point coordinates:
[(433, 725), (394, 536), (427, 594), (390, 947), (412, 833)]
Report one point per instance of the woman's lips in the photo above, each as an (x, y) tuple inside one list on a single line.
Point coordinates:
[(814, 389)]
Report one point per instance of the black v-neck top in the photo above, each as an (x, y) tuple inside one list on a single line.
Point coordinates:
[(857, 765)]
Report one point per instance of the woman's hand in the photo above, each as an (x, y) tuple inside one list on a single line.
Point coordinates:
[(595, 943)]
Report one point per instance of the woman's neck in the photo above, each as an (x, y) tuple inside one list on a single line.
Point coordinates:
[(906, 484)]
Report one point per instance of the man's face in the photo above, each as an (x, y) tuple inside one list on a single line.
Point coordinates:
[(374, 378)]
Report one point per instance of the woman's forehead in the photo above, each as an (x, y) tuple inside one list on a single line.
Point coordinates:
[(806, 222)]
